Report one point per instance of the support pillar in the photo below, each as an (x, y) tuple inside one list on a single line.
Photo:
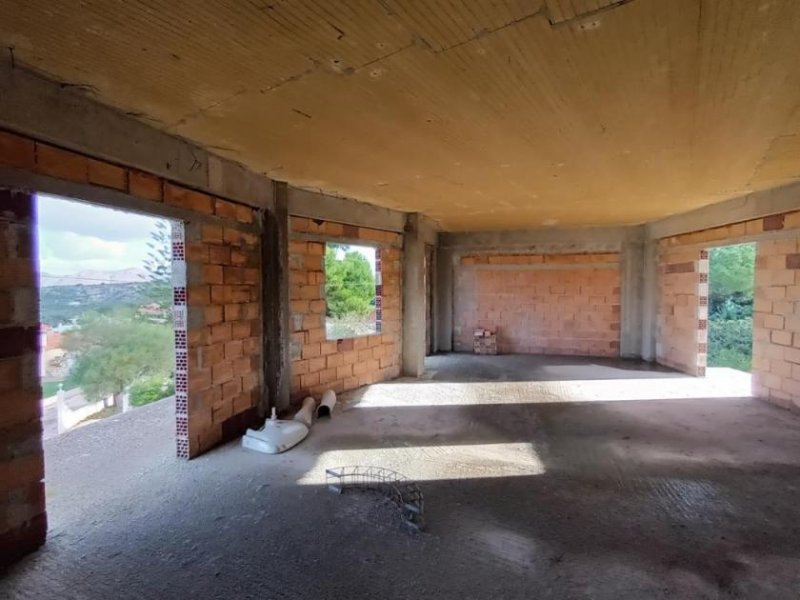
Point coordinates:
[(632, 286), (444, 299), (649, 303), (275, 294), (414, 305)]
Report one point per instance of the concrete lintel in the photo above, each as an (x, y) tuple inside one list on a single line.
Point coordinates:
[(49, 111), (582, 239), (26, 180), (316, 205), (742, 208), (413, 298)]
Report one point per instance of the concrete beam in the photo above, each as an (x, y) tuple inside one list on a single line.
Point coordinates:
[(316, 205), (584, 239), (275, 301), (414, 293), (58, 114), (742, 208)]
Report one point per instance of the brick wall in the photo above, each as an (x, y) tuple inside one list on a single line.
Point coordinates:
[(221, 287), (540, 304), (22, 512), (216, 260), (318, 363), (776, 323), (682, 328)]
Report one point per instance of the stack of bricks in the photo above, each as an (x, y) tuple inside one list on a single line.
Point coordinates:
[(317, 362), (24, 522), (682, 326), (540, 304), (484, 341), (776, 324)]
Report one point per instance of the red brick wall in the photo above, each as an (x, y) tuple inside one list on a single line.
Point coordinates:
[(222, 291), (540, 304), (317, 363), (683, 309), (776, 323), (22, 512), (218, 350)]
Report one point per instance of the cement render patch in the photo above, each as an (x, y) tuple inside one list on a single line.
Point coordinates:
[(527, 495)]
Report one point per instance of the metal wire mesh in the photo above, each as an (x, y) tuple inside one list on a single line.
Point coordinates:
[(395, 486)]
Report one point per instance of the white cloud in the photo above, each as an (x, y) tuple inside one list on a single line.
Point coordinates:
[(74, 236)]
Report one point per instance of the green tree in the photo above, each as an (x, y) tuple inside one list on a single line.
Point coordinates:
[(349, 282), (732, 270), (114, 350), (158, 265)]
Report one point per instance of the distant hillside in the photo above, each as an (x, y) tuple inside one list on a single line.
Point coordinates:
[(132, 275), (62, 303)]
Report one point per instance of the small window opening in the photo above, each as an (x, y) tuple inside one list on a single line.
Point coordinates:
[(352, 276)]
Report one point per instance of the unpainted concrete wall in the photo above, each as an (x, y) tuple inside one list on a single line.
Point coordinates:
[(318, 363), (540, 304)]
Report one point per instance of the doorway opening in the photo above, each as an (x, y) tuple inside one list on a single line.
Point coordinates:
[(730, 307), (106, 321)]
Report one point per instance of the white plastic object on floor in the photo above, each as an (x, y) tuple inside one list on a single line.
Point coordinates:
[(275, 436), (306, 414), (325, 408)]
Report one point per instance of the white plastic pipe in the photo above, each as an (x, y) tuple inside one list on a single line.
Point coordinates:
[(325, 408), (306, 414)]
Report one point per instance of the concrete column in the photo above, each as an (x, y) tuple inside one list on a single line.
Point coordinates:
[(275, 297), (649, 302), (413, 297), (632, 272), (444, 299)]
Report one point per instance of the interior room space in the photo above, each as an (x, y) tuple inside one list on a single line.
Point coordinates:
[(443, 299)]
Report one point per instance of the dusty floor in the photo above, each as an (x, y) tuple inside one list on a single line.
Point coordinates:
[(532, 490)]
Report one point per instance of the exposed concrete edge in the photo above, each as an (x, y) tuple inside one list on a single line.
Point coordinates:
[(56, 113), (34, 182), (582, 239), (742, 208), (428, 230), (316, 205)]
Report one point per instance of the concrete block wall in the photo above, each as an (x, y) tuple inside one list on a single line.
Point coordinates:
[(540, 304), (776, 323), (318, 363), (682, 323), (217, 381), (23, 521)]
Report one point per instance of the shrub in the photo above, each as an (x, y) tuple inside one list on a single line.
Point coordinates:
[(730, 343), (150, 390)]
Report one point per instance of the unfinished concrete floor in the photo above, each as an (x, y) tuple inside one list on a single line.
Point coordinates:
[(529, 494)]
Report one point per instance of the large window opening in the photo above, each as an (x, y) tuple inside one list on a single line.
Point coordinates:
[(352, 291), (106, 321), (730, 306)]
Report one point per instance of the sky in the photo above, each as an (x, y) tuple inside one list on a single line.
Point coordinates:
[(74, 236)]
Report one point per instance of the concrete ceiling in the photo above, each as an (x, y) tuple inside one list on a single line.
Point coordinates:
[(482, 114)]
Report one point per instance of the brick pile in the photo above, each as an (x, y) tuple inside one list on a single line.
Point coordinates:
[(484, 341), (317, 362)]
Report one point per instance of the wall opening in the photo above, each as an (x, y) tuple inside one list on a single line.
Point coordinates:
[(730, 306), (111, 342), (352, 286)]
